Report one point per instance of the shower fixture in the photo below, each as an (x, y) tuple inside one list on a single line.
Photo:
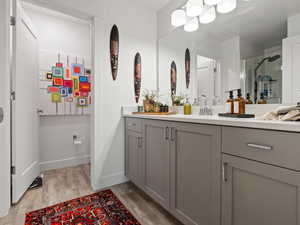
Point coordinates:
[(268, 59)]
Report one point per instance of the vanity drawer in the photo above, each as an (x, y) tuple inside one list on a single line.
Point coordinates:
[(134, 124), (272, 147)]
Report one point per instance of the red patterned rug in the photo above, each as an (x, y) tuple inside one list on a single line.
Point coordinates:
[(102, 208)]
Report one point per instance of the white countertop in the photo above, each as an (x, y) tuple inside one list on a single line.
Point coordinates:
[(224, 121)]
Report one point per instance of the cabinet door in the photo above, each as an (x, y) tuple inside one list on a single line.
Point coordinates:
[(196, 173), (260, 194), (134, 151), (157, 161)]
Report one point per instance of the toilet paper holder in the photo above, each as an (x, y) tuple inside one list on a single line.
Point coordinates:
[(77, 140)]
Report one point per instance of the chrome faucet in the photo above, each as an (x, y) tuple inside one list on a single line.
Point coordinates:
[(205, 110)]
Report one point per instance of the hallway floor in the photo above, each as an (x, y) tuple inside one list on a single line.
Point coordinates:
[(69, 183)]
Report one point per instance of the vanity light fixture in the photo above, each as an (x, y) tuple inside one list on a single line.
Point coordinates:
[(208, 16), (192, 25), (212, 2), (226, 6), (194, 8), (178, 18), (203, 11)]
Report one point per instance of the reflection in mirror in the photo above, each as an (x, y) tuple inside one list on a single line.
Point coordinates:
[(244, 49), (261, 69), (206, 80)]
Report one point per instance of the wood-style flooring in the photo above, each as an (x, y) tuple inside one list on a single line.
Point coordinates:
[(69, 183)]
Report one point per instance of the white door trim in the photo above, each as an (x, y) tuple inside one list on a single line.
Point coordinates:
[(5, 38)]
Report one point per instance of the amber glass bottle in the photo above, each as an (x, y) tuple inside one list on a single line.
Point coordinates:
[(230, 103), (248, 100), (262, 99), (239, 103)]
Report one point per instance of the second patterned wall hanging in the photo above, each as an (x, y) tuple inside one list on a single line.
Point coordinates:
[(137, 76), (187, 67), (173, 78), (114, 51)]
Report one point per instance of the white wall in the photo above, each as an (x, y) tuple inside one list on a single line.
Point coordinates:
[(230, 65), (290, 58), (4, 103), (294, 25), (137, 27), (58, 33), (56, 141)]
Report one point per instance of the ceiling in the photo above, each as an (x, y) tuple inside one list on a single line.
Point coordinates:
[(153, 4), (259, 23)]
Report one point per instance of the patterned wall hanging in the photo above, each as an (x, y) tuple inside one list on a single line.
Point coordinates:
[(187, 67), (114, 51), (137, 76), (69, 84), (173, 78)]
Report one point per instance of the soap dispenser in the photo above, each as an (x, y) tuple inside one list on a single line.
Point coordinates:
[(230, 103), (187, 108), (239, 104), (262, 99), (248, 100)]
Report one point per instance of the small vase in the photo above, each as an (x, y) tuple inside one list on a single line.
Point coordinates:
[(148, 106)]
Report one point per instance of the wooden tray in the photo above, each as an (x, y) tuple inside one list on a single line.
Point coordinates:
[(155, 113), (237, 115)]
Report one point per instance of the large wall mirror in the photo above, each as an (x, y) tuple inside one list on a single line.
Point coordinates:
[(242, 49)]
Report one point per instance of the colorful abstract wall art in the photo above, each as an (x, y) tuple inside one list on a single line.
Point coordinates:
[(114, 51), (137, 76), (187, 67), (69, 84), (173, 74)]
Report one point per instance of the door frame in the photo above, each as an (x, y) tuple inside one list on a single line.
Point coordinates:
[(24, 19), (5, 69), (74, 13)]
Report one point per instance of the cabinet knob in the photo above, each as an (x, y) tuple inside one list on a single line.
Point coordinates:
[(172, 134), (1, 114), (224, 172), (140, 142), (167, 133)]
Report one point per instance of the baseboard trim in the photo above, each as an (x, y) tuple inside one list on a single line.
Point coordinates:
[(110, 180), (63, 163), (4, 212)]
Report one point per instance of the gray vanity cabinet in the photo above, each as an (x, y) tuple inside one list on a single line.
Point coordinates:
[(156, 161), (134, 148), (258, 193), (196, 173), (134, 151)]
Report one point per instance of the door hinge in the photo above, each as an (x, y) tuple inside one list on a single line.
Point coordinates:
[(13, 96), (13, 21), (13, 170)]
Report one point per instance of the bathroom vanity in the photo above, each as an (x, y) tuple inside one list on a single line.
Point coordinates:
[(208, 170)]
